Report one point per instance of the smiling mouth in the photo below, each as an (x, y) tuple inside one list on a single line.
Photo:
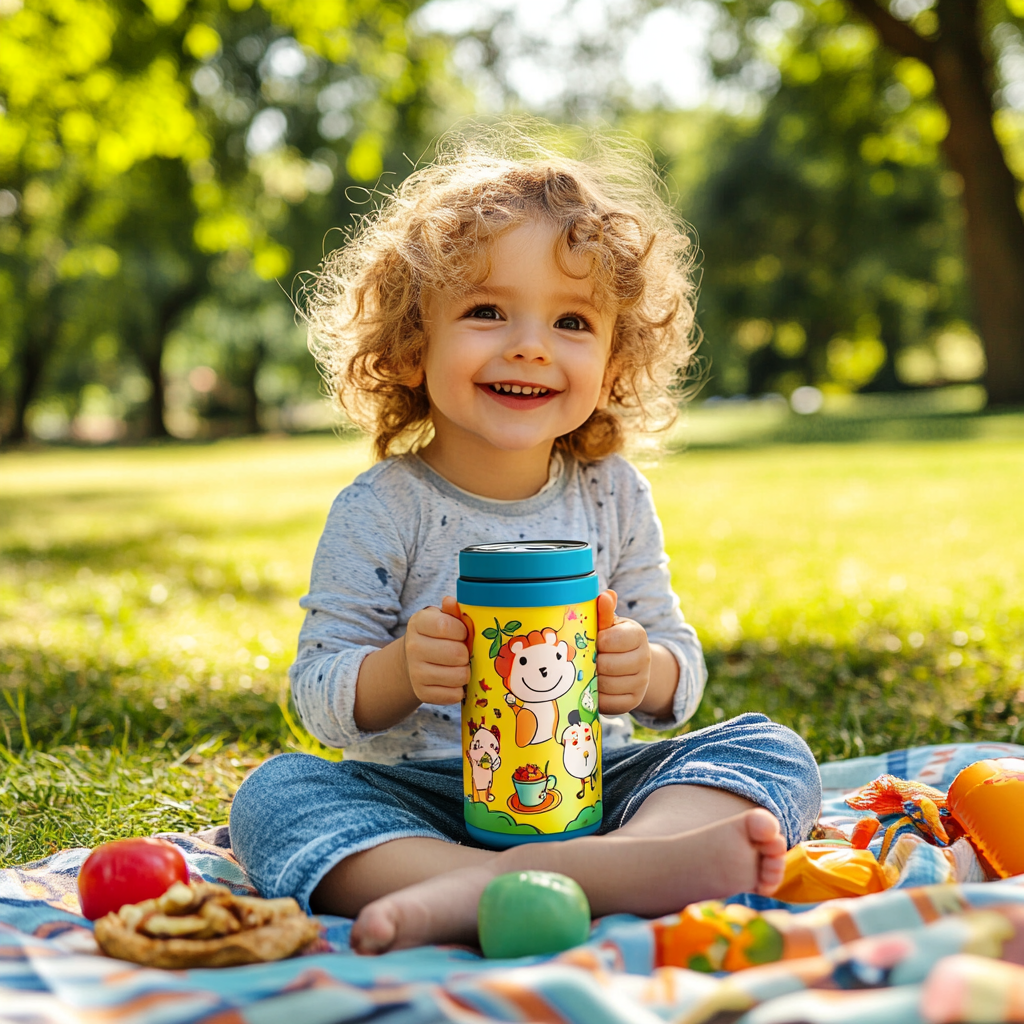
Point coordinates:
[(524, 390), (536, 689)]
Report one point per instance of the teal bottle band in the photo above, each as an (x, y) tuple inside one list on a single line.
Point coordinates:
[(526, 560), (533, 594)]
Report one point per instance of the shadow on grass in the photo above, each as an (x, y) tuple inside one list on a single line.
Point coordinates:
[(151, 551), (44, 704), (844, 700), (853, 429)]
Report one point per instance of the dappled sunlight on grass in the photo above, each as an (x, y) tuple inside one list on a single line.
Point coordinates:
[(870, 595), (158, 592)]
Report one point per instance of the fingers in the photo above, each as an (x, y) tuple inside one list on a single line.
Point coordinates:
[(606, 602), (623, 661), (625, 635), (444, 694), (436, 653), (450, 606), (619, 703), (622, 680), (444, 623)]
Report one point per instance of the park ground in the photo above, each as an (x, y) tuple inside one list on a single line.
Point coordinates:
[(858, 577)]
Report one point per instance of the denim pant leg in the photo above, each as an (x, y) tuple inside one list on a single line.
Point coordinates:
[(296, 815), (750, 756)]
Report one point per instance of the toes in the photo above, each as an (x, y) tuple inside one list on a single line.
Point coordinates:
[(775, 847), (374, 930), (767, 839), (770, 873), (762, 826)]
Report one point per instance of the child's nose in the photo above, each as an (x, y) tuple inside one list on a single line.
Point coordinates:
[(530, 344)]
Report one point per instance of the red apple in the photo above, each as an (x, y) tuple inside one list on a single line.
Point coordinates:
[(128, 871)]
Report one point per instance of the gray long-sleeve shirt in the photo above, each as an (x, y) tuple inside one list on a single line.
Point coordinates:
[(390, 548)]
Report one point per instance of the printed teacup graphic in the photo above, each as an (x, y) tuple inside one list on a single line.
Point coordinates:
[(535, 789)]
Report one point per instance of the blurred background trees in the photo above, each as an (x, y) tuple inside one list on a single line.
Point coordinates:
[(168, 166)]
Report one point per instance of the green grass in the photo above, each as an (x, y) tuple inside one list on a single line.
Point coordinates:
[(868, 593)]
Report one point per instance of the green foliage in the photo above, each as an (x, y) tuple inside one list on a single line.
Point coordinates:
[(480, 816), (158, 154), (829, 225), (495, 634), (588, 816), (148, 606)]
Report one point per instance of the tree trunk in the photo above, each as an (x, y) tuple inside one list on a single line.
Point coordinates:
[(994, 226), (40, 337), (252, 401), (153, 356), (156, 405)]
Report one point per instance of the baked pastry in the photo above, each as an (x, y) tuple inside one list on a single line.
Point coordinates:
[(205, 925)]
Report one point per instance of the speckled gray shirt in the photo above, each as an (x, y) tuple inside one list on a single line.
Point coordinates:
[(390, 548)]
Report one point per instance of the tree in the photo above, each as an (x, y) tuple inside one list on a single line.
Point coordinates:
[(953, 42), (956, 52), (74, 122), (168, 143), (821, 263)]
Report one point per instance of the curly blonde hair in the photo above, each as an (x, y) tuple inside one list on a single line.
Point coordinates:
[(365, 308)]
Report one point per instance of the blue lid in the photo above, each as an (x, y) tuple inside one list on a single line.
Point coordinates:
[(526, 560)]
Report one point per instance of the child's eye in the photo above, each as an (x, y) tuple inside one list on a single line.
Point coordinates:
[(572, 323), (484, 313)]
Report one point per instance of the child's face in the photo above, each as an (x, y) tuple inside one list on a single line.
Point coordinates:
[(522, 359)]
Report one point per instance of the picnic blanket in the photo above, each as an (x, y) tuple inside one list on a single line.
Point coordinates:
[(913, 953)]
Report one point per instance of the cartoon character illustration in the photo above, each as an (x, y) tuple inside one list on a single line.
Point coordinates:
[(588, 701), (579, 752), (484, 758), (536, 669)]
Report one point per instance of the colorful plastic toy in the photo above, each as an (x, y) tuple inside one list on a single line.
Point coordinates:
[(987, 799), (712, 936), (527, 913), (817, 871)]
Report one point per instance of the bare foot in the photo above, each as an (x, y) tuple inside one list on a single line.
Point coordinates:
[(441, 909), (744, 853), (649, 876)]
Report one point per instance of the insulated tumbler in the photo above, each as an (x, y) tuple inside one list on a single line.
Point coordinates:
[(530, 729)]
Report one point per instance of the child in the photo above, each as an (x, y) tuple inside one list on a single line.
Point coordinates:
[(505, 320)]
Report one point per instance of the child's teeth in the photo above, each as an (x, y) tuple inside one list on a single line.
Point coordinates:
[(518, 389)]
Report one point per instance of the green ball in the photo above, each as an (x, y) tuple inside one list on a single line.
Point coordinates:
[(526, 913)]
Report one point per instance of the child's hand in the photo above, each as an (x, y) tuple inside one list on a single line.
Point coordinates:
[(623, 659), (436, 655)]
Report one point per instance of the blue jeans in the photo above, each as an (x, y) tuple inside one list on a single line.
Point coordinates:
[(296, 816)]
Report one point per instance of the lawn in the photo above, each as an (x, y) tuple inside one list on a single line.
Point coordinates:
[(868, 592)]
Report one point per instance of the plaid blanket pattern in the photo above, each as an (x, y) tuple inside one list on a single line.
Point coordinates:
[(919, 952)]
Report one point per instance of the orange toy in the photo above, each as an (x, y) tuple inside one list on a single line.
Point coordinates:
[(817, 872), (887, 795), (987, 799)]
